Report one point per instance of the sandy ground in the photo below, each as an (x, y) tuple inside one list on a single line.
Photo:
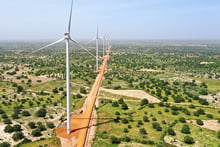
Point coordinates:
[(208, 124), (133, 93), (151, 70), (184, 79), (177, 143), (214, 100), (5, 136)]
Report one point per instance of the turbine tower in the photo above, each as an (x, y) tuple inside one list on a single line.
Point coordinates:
[(97, 50), (67, 38)]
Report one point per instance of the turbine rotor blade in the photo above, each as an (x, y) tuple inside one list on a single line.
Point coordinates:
[(58, 41), (70, 19), (93, 39), (77, 43)]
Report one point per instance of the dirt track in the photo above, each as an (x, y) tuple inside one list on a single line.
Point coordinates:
[(80, 123)]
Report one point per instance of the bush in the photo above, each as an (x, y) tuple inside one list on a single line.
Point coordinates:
[(32, 125), (188, 140), (182, 119), (124, 121), (121, 101), (124, 106), (117, 113), (218, 134), (18, 136), (199, 122), (125, 130), (15, 116), (209, 115), (50, 125), (7, 121), (126, 138), (17, 128), (41, 113), (185, 129), (203, 92), (26, 113), (115, 104), (5, 144), (145, 119), (171, 132), (55, 90), (36, 133), (144, 102), (8, 129), (83, 90), (142, 131), (157, 126), (114, 140)]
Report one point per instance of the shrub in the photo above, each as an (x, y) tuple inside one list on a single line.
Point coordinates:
[(15, 116), (8, 129), (124, 121), (36, 133), (144, 102), (114, 140), (142, 131), (199, 122), (41, 113), (203, 92), (145, 119), (117, 113), (26, 113), (7, 121), (18, 136), (124, 106), (185, 129), (171, 132), (209, 115), (5, 144), (125, 130), (182, 119), (188, 140), (50, 125), (126, 138), (32, 125), (121, 101), (151, 105), (83, 90), (17, 128), (218, 134), (55, 90), (115, 104)]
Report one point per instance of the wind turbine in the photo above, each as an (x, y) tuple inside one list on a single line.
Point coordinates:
[(67, 38)]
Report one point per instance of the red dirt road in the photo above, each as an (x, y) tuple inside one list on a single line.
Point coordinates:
[(80, 123)]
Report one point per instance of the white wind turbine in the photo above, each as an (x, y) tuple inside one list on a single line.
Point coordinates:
[(67, 38)]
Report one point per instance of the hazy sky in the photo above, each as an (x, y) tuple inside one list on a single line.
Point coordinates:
[(122, 19)]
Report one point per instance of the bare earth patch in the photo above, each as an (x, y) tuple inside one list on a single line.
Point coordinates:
[(208, 124), (133, 93), (184, 79), (151, 70)]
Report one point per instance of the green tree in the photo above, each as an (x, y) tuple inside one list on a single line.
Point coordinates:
[(32, 125), (188, 140), (199, 122), (41, 112), (36, 133), (124, 106), (18, 136), (8, 129), (83, 90), (17, 128), (5, 144), (185, 129), (144, 102), (171, 132)]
